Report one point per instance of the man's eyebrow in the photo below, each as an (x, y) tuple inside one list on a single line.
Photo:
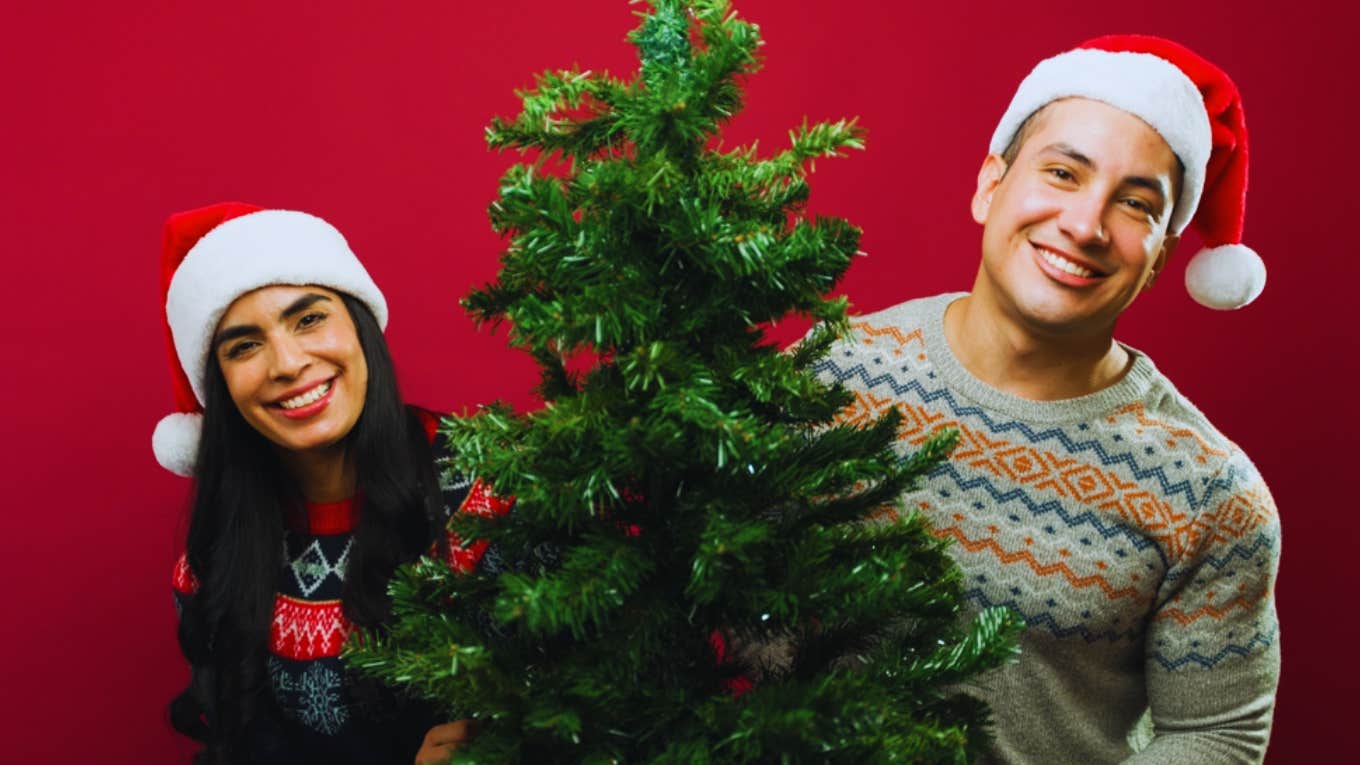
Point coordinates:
[(1144, 182), (1070, 151), (240, 330)]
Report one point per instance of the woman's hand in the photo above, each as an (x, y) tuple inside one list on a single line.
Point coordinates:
[(442, 741)]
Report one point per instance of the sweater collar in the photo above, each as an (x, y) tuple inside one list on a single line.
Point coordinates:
[(317, 518), (1133, 386)]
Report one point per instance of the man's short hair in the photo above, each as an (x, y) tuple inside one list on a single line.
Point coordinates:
[(1022, 134)]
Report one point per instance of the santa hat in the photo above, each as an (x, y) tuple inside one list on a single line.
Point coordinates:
[(215, 254), (1196, 109)]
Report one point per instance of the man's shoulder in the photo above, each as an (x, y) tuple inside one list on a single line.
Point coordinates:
[(907, 317), (898, 329), (1167, 423), (1165, 407)]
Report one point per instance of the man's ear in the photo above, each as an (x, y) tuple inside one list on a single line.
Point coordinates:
[(989, 175), (1168, 246)]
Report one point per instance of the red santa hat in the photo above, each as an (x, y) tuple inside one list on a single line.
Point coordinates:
[(215, 254), (1197, 110)]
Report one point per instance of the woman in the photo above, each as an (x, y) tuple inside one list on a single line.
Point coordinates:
[(292, 428)]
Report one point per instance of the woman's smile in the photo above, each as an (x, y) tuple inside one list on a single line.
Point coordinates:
[(311, 401)]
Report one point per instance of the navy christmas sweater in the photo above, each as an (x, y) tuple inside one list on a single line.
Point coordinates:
[(330, 714)]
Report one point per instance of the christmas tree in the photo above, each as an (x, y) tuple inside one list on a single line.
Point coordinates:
[(714, 577)]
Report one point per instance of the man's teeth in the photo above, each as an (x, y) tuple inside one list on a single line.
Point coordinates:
[(1063, 264), (308, 397)]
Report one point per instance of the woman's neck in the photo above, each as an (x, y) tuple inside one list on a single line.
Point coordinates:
[(322, 475)]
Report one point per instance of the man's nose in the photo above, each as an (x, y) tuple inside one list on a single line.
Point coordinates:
[(1083, 220)]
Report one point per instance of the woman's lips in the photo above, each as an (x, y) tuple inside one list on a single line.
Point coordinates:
[(307, 403)]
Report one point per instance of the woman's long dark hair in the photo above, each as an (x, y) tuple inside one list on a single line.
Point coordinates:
[(235, 540)]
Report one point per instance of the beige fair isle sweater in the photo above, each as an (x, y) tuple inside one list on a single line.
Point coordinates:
[(1138, 543)]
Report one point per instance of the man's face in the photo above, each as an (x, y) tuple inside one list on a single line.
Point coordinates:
[(1076, 227)]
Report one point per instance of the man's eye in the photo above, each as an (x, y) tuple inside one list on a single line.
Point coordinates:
[(1061, 174), (1139, 205)]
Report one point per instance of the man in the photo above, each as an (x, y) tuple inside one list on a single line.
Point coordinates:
[(1086, 493)]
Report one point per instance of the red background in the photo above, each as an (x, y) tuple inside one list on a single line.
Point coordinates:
[(117, 114)]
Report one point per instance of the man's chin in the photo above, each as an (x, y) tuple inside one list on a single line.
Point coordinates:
[(1064, 317)]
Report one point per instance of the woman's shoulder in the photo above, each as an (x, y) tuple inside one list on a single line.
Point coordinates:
[(455, 487), (428, 419), (461, 493)]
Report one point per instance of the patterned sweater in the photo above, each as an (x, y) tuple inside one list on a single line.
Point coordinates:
[(1139, 544), (331, 715)]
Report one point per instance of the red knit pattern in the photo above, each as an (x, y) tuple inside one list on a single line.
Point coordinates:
[(304, 630), (483, 502)]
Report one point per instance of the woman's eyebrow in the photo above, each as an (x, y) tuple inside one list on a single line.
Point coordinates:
[(231, 333), (302, 304)]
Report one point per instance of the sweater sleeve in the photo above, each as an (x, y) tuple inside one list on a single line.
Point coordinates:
[(183, 583), (1213, 655)]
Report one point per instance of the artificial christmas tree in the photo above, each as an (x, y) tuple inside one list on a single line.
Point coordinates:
[(698, 566)]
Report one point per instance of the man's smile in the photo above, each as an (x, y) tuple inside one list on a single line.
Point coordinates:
[(1065, 268)]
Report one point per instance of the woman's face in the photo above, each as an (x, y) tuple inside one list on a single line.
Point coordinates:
[(293, 365)]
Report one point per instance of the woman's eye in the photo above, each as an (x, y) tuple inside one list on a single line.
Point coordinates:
[(240, 349), (1139, 205), (311, 319), (1061, 174)]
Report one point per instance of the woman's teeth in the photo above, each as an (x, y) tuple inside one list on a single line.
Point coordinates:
[(1063, 264), (308, 397)]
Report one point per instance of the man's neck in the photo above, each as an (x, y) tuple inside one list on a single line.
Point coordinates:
[(1013, 358)]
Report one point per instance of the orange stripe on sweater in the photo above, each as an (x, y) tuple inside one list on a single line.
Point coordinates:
[(871, 333), (1042, 569), (1140, 413), (1210, 610)]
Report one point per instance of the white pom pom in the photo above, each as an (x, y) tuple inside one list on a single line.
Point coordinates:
[(1225, 277), (175, 442)]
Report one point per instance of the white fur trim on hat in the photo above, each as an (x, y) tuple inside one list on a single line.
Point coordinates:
[(249, 252), (175, 442), (1225, 277), (1144, 85)]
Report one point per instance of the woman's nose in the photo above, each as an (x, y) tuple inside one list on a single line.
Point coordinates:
[(289, 358)]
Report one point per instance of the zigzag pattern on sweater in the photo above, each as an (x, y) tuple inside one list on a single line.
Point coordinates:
[(959, 411), (1243, 602), (1046, 620), (1238, 554), (1259, 640), (1177, 532), (1103, 524), (305, 630), (1040, 568)]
